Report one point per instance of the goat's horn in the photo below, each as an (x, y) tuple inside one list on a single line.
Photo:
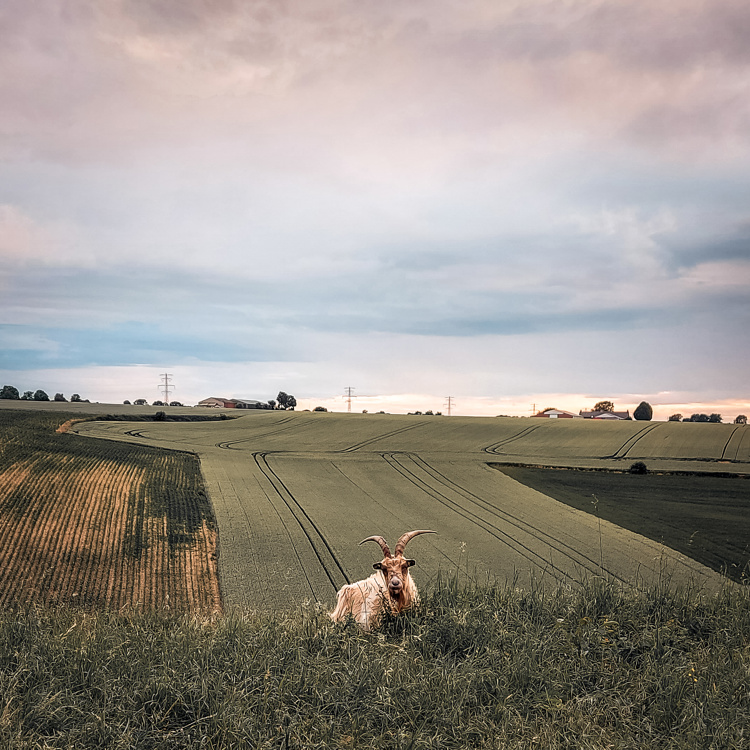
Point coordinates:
[(383, 544), (406, 538)]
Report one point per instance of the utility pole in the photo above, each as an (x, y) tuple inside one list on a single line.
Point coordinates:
[(166, 385), (450, 402)]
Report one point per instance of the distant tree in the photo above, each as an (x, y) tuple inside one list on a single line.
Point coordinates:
[(643, 412), (140, 402), (715, 418), (124, 402), (27, 396), (10, 392), (676, 418), (740, 419), (160, 416), (271, 404), (285, 401), (175, 403), (639, 467), (158, 403), (40, 395), (604, 406), (698, 418), (75, 399), (60, 397), (320, 408)]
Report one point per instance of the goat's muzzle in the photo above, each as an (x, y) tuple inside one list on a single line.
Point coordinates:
[(395, 587)]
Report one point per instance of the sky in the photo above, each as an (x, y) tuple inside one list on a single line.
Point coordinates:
[(517, 204)]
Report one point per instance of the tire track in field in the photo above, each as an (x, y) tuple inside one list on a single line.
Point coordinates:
[(229, 444), (493, 447), (508, 517), (724, 456), (314, 535), (745, 433), (383, 436), (502, 536), (629, 444)]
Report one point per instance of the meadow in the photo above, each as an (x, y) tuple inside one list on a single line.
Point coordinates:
[(489, 666)]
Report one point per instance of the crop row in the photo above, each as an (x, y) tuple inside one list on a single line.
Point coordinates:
[(102, 523)]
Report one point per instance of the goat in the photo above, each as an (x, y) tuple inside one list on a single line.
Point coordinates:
[(390, 588)]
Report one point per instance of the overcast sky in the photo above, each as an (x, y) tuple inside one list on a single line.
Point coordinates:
[(539, 201)]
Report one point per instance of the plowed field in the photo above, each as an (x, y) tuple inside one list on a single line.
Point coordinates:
[(98, 523), (295, 492)]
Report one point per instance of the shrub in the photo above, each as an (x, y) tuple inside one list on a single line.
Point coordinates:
[(638, 468)]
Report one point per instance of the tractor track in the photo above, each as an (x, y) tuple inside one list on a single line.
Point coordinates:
[(385, 509), (383, 436), (629, 444), (724, 456), (229, 444), (493, 447), (503, 514), (487, 526), (302, 565), (309, 528)]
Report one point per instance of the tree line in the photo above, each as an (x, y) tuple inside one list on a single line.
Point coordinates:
[(10, 392)]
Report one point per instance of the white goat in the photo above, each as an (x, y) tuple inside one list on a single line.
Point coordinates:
[(390, 587)]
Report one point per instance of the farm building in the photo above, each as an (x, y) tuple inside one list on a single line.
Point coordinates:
[(557, 414), (242, 403), (605, 414), (217, 403), (231, 403)]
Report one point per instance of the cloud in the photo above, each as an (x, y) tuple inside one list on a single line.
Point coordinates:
[(335, 188)]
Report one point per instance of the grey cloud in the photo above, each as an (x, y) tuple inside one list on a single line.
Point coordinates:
[(640, 34)]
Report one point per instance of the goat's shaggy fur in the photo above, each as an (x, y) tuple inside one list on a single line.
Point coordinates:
[(389, 589)]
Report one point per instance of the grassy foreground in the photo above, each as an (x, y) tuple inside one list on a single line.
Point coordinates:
[(595, 667)]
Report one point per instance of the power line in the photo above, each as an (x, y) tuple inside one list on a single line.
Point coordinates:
[(450, 402)]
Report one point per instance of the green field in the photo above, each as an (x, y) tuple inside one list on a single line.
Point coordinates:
[(295, 492), (704, 517)]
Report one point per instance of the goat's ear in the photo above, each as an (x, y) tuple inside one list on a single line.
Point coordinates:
[(411, 562), (378, 566)]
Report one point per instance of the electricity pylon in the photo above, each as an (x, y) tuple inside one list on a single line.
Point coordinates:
[(166, 386)]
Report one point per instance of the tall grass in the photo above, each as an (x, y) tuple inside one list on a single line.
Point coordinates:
[(474, 666)]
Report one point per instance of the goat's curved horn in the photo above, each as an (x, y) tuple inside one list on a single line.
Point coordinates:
[(406, 538), (383, 544)]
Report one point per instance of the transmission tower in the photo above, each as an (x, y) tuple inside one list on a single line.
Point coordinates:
[(166, 386), (349, 398), (449, 404)]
